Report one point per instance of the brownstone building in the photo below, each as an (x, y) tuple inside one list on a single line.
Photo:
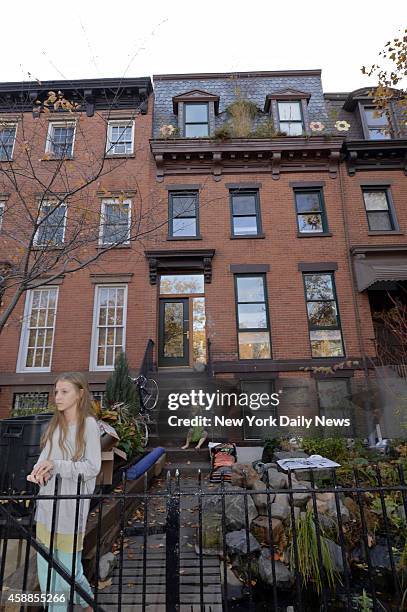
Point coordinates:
[(271, 225)]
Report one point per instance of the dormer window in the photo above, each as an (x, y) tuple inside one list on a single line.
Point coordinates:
[(196, 120), (290, 118), (376, 125), (289, 111), (196, 112)]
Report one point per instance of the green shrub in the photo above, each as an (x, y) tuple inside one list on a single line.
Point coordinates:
[(223, 132), (332, 448), (119, 387), (265, 129)]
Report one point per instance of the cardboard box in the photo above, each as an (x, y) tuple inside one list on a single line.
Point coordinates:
[(108, 436), (106, 471)]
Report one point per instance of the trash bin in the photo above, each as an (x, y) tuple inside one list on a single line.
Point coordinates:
[(20, 448)]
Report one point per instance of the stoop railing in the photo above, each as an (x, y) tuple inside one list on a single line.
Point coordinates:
[(147, 365)]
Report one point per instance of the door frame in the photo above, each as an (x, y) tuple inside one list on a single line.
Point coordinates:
[(174, 361)]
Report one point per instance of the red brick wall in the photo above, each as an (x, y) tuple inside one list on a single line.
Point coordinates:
[(281, 249)]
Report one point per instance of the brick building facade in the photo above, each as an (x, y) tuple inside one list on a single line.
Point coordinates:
[(274, 240)]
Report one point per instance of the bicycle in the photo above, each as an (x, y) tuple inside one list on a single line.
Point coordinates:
[(148, 392), (142, 421)]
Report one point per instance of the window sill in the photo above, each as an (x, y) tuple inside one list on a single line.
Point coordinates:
[(32, 370), (51, 158), (329, 357), (247, 236), (54, 247), (184, 237), (121, 156), (313, 234), (110, 247), (385, 233)]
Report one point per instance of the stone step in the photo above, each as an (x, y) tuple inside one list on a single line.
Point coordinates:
[(188, 468), (176, 454)]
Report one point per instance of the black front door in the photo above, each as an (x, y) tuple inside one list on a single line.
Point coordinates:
[(174, 332)]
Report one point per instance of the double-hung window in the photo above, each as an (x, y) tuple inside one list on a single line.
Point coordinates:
[(252, 317), (245, 207), (376, 125), (378, 209), (311, 217), (109, 326), (120, 138), (51, 224), (290, 117), (115, 222), (60, 139), (37, 335), (196, 120), (323, 316), (183, 214), (7, 140)]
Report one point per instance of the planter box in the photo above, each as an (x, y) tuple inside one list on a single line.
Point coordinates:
[(112, 518)]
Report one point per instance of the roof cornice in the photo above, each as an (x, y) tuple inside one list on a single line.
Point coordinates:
[(176, 156), (16, 86), (375, 154), (241, 75), (88, 93)]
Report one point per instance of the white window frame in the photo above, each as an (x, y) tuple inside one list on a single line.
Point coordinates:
[(109, 143), (114, 201), (47, 203), (2, 208), (50, 142), (25, 332), (293, 121), (7, 125), (93, 367)]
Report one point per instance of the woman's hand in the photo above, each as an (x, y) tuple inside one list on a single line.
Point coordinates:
[(41, 473)]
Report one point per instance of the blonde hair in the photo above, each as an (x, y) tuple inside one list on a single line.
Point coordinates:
[(58, 421)]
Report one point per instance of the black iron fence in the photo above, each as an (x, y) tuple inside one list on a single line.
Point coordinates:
[(301, 542)]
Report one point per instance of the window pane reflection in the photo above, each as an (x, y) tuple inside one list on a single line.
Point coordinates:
[(254, 345), (181, 284), (174, 329), (198, 329)]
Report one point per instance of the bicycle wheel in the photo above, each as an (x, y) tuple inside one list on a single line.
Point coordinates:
[(149, 394), (143, 433)]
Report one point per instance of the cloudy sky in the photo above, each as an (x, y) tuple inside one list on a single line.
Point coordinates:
[(130, 38)]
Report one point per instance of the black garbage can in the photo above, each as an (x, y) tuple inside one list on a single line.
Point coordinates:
[(20, 448)]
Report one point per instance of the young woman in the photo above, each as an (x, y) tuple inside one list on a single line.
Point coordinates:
[(71, 446)]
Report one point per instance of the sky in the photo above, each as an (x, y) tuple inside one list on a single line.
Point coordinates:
[(131, 39)]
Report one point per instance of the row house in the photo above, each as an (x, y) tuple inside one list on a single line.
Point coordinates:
[(271, 226)]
